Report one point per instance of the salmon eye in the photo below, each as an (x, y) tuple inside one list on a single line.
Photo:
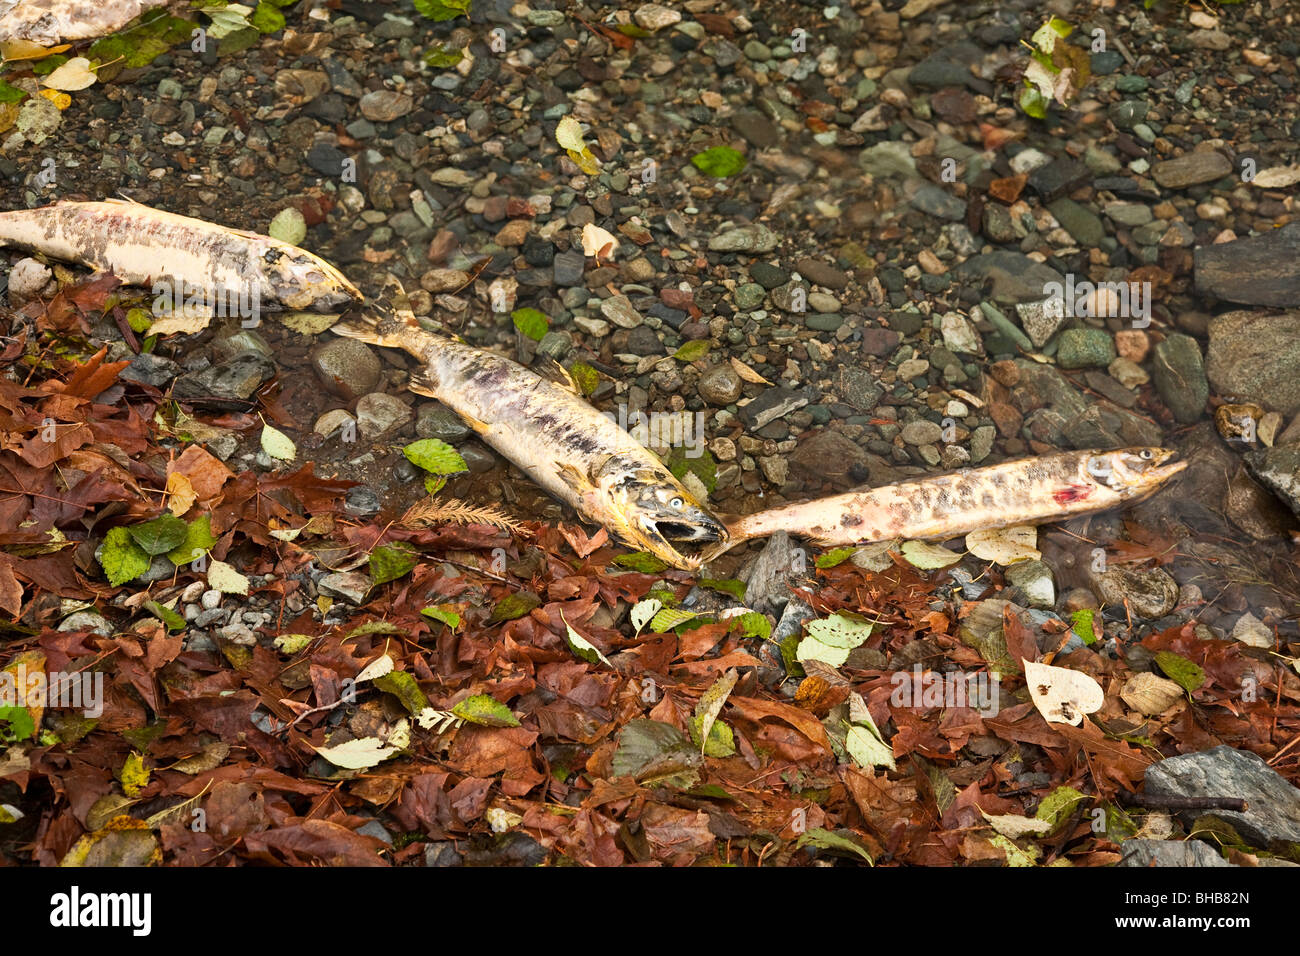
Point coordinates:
[(1147, 454), (676, 504)]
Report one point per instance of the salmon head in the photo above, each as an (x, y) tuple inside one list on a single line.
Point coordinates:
[(1133, 472), (653, 512), (306, 282)]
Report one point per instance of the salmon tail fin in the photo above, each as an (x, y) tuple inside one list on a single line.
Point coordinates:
[(381, 326)]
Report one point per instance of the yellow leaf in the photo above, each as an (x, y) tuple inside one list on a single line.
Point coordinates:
[(277, 444), (134, 775), (11, 50), (1062, 695), (71, 76), (181, 492), (61, 100), (598, 242)]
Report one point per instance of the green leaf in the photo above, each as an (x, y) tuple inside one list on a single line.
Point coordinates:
[(266, 18), (450, 618), (668, 618), (730, 586), (811, 649), (719, 162), (122, 558), (390, 562), (199, 539), (841, 630), (702, 467), (442, 9), (692, 351), (1034, 103), (402, 685), (867, 749), (754, 624), (49, 64), (721, 742), (1058, 805), (435, 457), (1180, 670), (165, 614), (928, 557), (10, 94), (486, 710), (832, 558), (824, 839), (586, 377), (514, 606), (139, 319), (441, 58), (652, 752), (582, 648), (640, 561), (154, 34), (434, 484), (159, 535), (1081, 622), (531, 323), (21, 725), (643, 611)]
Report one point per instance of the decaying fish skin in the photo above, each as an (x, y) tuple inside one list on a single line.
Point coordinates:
[(143, 246), (547, 429), (48, 22), (1020, 492)]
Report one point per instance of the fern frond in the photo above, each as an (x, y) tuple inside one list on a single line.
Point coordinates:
[(430, 511)]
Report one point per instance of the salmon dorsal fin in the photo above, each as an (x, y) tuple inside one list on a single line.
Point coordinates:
[(551, 370)]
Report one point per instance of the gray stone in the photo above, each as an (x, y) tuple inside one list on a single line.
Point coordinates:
[(769, 577), (347, 367), (378, 413), (887, 159), (1278, 470), (87, 621), (1041, 320), (921, 432), (150, 369), (1149, 593), (720, 385), (1255, 357), (749, 296), (1034, 579), (1079, 221), (1180, 378), (1059, 177), (752, 238), (1015, 276), (859, 387), (435, 420), (1203, 166), (1144, 853), (237, 379), (1262, 270), (568, 267), (1272, 818), (384, 106), (1085, 348), (940, 203), (768, 275)]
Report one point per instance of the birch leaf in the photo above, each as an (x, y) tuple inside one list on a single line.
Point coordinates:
[(928, 557), (226, 579), (72, 76), (1005, 546), (712, 702), (643, 611), (1062, 695), (277, 444)]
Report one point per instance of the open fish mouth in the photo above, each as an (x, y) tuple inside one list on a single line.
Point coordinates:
[(683, 541)]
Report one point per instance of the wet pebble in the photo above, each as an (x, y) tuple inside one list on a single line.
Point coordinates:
[(720, 385), (378, 413), (347, 367)]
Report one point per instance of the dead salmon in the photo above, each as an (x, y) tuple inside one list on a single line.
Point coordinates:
[(145, 246), (47, 22), (1025, 491), (545, 427)]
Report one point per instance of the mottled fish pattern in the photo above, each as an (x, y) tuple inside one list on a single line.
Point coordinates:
[(141, 245), (1025, 491), (547, 429)]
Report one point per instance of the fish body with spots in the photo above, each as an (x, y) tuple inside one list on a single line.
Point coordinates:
[(549, 431), (148, 247), (1025, 491)]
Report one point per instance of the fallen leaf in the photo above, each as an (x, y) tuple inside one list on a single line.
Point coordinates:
[(1062, 695)]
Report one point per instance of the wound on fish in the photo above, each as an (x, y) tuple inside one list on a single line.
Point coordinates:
[(1071, 494)]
